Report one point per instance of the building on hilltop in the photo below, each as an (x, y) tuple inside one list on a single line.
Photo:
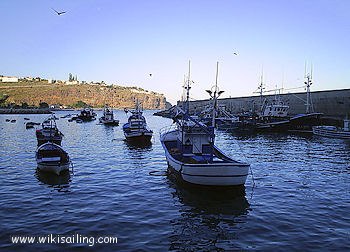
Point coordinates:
[(8, 79), (72, 79)]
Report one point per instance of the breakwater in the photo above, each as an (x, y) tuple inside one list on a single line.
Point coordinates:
[(333, 103)]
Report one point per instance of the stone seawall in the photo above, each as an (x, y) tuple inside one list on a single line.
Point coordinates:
[(334, 103)]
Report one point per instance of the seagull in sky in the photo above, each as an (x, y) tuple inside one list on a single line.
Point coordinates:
[(235, 53), (58, 13)]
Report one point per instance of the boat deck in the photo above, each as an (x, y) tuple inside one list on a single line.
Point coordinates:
[(193, 158)]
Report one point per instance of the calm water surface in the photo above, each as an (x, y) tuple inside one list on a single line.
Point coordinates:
[(297, 199)]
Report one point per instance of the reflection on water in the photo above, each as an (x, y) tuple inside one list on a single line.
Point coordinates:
[(109, 130), (57, 182), (300, 199), (209, 217), (133, 145)]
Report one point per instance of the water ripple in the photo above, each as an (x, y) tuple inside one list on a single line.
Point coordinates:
[(299, 198)]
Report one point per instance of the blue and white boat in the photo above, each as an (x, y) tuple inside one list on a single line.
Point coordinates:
[(136, 129), (192, 155)]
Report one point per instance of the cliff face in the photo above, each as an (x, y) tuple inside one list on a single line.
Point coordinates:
[(69, 95)]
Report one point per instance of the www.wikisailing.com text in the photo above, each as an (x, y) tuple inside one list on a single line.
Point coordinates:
[(63, 239)]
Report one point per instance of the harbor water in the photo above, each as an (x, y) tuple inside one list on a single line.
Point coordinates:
[(296, 198)]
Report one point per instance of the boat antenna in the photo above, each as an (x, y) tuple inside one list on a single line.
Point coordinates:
[(311, 69), (308, 83), (214, 94), (261, 87), (282, 89), (183, 95), (215, 104), (187, 87)]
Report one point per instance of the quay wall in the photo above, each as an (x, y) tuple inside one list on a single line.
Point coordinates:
[(333, 103)]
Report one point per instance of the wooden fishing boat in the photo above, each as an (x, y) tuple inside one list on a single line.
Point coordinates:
[(51, 157)]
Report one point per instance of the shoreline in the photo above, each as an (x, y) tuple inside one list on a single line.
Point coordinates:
[(24, 111)]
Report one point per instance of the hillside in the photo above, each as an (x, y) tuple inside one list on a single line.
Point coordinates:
[(96, 95)]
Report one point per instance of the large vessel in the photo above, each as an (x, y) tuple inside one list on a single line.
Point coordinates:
[(192, 155), (304, 123), (136, 128), (273, 116)]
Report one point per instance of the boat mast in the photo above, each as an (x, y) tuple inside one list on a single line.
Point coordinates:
[(214, 93), (308, 83), (215, 103), (187, 87), (261, 90)]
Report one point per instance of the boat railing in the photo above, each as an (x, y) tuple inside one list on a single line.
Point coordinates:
[(168, 128)]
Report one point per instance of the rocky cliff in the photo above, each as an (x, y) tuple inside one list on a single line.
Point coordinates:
[(95, 95)]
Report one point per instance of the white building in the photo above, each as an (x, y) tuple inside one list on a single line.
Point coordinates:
[(8, 79)]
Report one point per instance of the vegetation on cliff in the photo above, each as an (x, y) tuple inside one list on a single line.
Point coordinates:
[(34, 93)]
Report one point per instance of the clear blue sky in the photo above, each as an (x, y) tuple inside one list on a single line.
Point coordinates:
[(122, 42)]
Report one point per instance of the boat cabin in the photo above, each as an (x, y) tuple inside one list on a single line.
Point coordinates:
[(275, 110), (192, 139), (137, 121), (108, 115)]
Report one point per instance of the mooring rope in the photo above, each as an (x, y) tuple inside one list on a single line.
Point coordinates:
[(72, 166), (154, 173), (246, 159)]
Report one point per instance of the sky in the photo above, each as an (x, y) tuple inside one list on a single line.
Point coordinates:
[(124, 41)]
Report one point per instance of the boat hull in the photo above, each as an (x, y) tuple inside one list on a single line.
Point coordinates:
[(209, 175), (50, 157), (141, 134), (138, 136), (53, 167), (44, 136), (217, 173), (303, 123), (86, 118), (109, 122), (56, 140), (330, 131)]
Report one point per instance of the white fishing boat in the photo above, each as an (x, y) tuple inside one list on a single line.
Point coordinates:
[(108, 117), (49, 132), (136, 128), (51, 157), (333, 131), (192, 155)]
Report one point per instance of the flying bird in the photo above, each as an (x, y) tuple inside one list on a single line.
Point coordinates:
[(58, 13), (150, 75), (235, 53)]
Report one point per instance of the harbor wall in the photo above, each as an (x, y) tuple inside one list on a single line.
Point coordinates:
[(333, 103)]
